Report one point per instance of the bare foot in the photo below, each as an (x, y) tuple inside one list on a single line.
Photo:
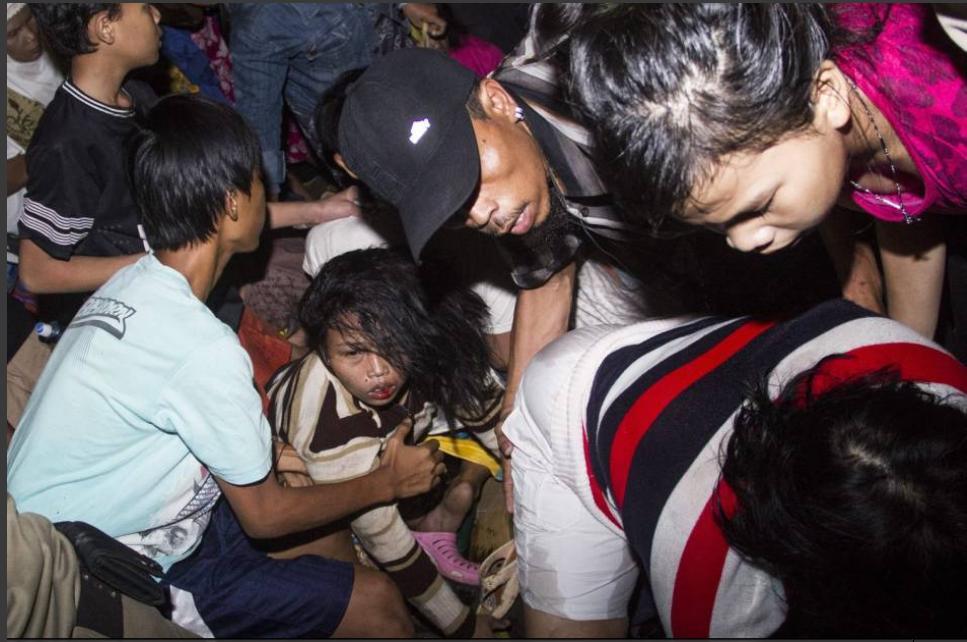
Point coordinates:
[(449, 513)]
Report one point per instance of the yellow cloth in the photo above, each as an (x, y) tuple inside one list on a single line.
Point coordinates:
[(466, 448)]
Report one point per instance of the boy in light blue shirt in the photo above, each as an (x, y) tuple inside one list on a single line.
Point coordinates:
[(146, 413)]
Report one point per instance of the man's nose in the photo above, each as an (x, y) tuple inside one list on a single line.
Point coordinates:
[(481, 213)]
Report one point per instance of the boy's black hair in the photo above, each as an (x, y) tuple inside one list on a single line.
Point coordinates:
[(424, 325), (188, 155), (856, 499), (64, 24)]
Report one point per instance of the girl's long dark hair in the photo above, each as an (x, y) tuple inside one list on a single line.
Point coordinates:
[(425, 325)]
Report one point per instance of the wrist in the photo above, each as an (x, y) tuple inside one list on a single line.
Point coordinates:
[(505, 411), (319, 212), (384, 487)]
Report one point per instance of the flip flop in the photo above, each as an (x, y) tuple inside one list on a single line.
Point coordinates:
[(442, 549), (499, 586)]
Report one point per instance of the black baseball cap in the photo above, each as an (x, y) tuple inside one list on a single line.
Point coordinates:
[(405, 131)]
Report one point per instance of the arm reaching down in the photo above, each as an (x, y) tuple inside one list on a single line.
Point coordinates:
[(542, 315), (853, 258), (914, 261), (308, 213)]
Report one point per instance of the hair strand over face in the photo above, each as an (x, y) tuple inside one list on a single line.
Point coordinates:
[(426, 326)]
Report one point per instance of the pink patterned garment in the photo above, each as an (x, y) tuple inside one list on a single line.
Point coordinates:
[(916, 78), (478, 55), (209, 39)]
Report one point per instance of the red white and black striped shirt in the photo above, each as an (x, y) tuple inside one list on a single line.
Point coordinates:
[(658, 415)]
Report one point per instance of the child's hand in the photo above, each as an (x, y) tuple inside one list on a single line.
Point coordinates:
[(413, 470)]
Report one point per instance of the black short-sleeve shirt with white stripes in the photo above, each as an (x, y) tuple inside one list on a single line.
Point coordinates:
[(78, 201)]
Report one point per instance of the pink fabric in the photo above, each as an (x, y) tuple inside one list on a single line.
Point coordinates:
[(914, 76), (478, 55), (209, 39), (296, 147)]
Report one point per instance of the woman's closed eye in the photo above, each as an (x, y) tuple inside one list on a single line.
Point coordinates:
[(747, 215)]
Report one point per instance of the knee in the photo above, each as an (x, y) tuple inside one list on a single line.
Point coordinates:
[(387, 614)]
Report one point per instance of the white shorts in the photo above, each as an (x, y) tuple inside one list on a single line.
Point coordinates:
[(569, 564), (572, 562)]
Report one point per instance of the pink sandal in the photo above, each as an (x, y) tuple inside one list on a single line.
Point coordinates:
[(442, 549)]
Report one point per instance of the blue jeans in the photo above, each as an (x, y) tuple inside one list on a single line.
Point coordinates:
[(295, 50)]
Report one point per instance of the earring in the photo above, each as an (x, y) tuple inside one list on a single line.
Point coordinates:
[(518, 114)]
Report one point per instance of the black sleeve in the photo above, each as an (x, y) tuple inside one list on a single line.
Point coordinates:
[(61, 200)]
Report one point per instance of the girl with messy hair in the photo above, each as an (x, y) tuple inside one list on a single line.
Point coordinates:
[(391, 345)]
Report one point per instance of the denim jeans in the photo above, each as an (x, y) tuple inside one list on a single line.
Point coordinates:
[(296, 51)]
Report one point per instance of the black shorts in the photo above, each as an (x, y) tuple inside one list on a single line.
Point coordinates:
[(240, 592)]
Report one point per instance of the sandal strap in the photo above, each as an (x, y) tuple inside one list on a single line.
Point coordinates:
[(442, 549), (498, 581)]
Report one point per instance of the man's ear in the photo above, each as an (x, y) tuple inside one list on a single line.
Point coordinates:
[(100, 29), (342, 163), (495, 100), (830, 97), (231, 205)]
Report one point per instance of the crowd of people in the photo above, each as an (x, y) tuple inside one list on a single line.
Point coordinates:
[(290, 284)]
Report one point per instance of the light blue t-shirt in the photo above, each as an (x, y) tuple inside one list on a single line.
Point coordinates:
[(145, 393)]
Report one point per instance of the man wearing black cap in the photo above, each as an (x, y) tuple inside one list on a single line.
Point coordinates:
[(495, 155)]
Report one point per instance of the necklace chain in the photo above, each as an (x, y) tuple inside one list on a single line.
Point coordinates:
[(907, 218)]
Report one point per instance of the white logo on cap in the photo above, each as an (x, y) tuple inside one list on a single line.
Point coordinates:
[(417, 129)]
